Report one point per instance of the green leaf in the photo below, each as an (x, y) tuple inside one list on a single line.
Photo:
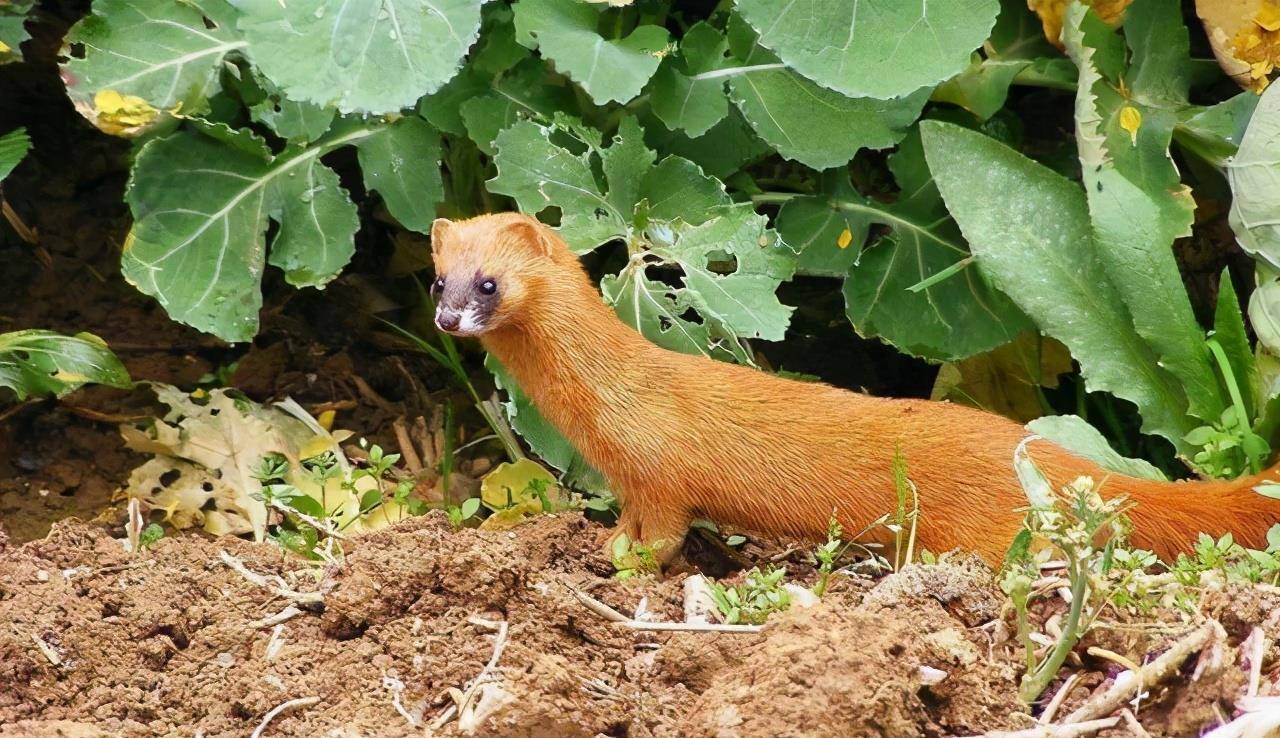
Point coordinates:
[(721, 151), (1076, 435), (200, 210), (528, 91), (1254, 174), (1264, 309), (827, 237), (741, 298), (538, 174), (1215, 132), (1229, 330), (13, 31), (14, 145), (677, 97), (610, 70), (296, 122), (35, 362), (873, 48), (1029, 229), (658, 311), (950, 319), (403, 165), (369, 57), (318, 224), (1016, 42), (163, 52), (815, 126), (1137, 203)]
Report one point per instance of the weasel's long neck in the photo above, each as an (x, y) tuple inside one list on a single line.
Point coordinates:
[(573, 357)]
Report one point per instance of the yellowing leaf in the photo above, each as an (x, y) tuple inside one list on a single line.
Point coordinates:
[(1268, 17), (1006, 380), (121, 115), (1051, 12), (844, 239), (1131, 120), (325, 419), (513, 483), (1245, 37)]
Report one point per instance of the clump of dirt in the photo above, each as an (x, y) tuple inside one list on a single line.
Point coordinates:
[(173, 639)]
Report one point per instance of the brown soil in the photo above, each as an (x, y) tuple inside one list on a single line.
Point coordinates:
[(164, 642)]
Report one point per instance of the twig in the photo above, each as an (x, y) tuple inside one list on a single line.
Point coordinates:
[(271, 715), (1255, 647), (613, 616), (1051, 709), (1132, 721), (321, 526), (274, 643), (1055, 731), (277, 587), (47, 650), (407, 450), (1129, 682), (280, 617), (24, 231), (463, 699), (1113, 657)]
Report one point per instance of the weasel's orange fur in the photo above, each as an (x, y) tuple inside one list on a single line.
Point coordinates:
[(682, 436)]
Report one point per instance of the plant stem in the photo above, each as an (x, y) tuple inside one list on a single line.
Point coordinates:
[(1034, 683), (735, 71), (765, 198)]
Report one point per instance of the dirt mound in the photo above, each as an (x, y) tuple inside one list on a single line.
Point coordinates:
[(100, 642)]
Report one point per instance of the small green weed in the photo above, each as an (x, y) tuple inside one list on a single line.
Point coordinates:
[(753, 601), (632, 558)]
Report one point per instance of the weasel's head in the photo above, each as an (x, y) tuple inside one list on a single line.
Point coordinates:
[(488, 268)]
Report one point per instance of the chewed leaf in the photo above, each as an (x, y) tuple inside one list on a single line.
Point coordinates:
[(13, 32), (35, 362), (144, 56), (200, 205)]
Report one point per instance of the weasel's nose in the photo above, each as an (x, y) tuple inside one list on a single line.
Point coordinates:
[(447, 320)]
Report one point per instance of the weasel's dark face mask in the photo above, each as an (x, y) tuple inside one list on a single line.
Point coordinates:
[(465, 303)]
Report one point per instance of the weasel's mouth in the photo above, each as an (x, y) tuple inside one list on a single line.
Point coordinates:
[(464, 323)]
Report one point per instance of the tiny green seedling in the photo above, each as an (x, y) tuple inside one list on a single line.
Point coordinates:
[(828, 554), (149, 535), (753, 601), (459, 514), (632, 558)]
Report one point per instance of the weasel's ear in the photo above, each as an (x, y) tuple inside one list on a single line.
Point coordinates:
[(534, 233), (439, 230)]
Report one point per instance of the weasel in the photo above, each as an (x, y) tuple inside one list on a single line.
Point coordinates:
[(681, 436)]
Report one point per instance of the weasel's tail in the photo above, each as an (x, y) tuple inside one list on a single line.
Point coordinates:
[(1169, 516)]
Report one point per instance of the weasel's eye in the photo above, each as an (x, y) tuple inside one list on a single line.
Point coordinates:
[(438, 286), (488, 287)]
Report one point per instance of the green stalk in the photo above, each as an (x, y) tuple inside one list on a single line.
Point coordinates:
[(1035, 682)]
